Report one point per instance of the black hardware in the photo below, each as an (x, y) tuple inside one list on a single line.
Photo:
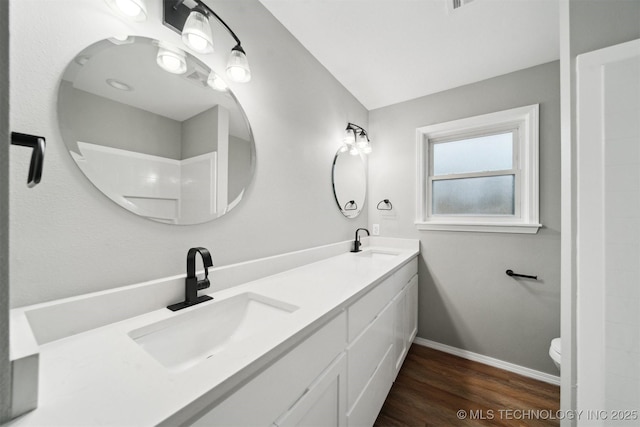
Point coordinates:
[(356, 242), (175, 14), (38, 143), (351, 203), (512, 274), (191, 284), (354, 127), (387, 203)]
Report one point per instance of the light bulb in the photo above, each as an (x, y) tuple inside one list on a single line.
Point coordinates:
[(215, 82), (362, 140), (238, 66), (128, 7), (132, 9), (367, 149), (354, 150), (343, 148), (172, 61), (197, 32), (349, 136)]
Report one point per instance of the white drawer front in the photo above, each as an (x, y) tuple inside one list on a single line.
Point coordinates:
[(363, 311), (366, 353), (367, 407)]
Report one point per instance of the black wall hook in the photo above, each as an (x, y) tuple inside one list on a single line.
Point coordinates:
[(38, 144), (387, 203)]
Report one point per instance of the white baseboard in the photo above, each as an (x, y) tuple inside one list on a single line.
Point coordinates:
[(496, 363)]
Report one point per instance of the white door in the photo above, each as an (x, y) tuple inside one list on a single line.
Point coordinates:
[(608, 239)]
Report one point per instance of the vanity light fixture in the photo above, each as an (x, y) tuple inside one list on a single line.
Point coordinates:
[(355, 140), (193, 24), (171, 59), (135, 10)]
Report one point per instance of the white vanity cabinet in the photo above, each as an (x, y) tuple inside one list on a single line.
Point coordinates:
[(310, 376), (376, 351), (339, 376), (405, 321)]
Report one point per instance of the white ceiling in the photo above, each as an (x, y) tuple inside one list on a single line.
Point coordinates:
[(178, 97), (389, 51)]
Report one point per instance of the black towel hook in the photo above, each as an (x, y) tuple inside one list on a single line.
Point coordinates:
[(38, 143), (512, 274), (350, 203), (387, 203)]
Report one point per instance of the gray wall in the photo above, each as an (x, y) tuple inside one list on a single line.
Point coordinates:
[(5, 367), (83, 242), (600, 23), (466, 300), (90, 118), (239, 166), (200, 133)]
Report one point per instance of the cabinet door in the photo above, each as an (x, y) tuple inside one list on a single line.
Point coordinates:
[(324, 403), (399, 326), (411, 311)]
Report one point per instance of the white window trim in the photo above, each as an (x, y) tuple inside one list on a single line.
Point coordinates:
[(525, 120)]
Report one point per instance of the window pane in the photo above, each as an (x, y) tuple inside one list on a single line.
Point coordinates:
[(480, 154), (491, 195)]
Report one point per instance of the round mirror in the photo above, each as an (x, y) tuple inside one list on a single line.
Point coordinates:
[(156, 130), (349, 183)]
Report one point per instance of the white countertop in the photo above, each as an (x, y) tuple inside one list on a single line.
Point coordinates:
[(103, 377)]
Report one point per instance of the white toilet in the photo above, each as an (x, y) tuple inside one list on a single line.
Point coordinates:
[(554, 351)]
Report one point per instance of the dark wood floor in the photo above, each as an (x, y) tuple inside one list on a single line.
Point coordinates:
[(433, 386)]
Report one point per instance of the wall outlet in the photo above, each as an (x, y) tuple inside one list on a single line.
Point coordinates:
[(376, 229)]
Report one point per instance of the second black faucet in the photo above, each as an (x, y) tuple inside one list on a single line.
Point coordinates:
[(356, 242)]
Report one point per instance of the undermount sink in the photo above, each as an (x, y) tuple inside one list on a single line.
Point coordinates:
[(187, 339), (378, 255)]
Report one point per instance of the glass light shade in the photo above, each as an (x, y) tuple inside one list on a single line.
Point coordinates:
[(361, 140), (238, 66), (215, 82), (343, 148), (367, 149), (354, 150), (171, 60), (197, 32), (135, 10), (349, 137)]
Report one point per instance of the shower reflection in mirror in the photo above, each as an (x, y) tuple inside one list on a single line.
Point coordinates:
[(156, 130)]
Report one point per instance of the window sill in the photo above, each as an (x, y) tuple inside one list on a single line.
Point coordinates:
[(480, 227)]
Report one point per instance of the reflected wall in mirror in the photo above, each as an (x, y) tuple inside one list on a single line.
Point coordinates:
[(349, 183), (169, 144)]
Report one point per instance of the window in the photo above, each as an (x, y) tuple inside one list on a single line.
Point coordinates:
[(480, 173)]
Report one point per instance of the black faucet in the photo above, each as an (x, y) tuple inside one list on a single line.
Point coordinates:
[(191, 284), (356, 242)]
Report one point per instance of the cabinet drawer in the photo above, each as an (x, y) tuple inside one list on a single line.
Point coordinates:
[(323, 402), (275, 390), (363, 311), (367, 407), (366, 352)]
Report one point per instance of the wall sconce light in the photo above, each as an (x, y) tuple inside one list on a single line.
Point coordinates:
[(195, 28), (355, 140), (135, 10)]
